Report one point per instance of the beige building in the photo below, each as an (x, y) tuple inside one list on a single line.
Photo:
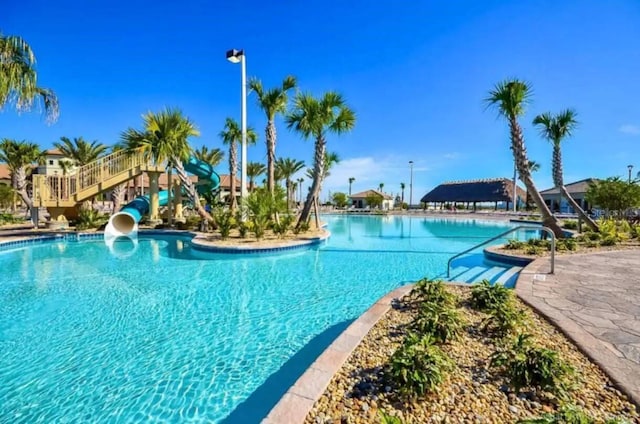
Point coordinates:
[(359, 200), (5, 175), (52, 166)]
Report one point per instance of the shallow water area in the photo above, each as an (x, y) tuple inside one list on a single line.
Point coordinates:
[(156, 331)]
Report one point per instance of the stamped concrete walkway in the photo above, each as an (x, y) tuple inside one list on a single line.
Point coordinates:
[(594, 299)]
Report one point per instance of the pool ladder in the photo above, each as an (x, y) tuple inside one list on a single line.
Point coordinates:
[(520, 227)]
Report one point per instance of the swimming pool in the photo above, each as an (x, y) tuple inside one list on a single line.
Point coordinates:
[(169, 334)]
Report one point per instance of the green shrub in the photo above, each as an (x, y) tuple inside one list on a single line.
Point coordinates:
[(244, 226), (301, 227), (90, 218), (418, 366), (568, 414), (570, 224), (434, 291), (193, 221), (532, 250), (590, 243), (609, 241), (285, 224), (504, 319), (488, 297), (224, 221), (441, 321), (568, 243), (514, 244), (592, 235), (389, 419), (526, 365), (7, 218), (635, 231)]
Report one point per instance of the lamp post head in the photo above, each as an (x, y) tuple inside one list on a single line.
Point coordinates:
[(234, 56), (410, 162), (630, 167)]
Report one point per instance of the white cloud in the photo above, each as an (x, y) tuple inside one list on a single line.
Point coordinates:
[(629, 129), (452, 155)]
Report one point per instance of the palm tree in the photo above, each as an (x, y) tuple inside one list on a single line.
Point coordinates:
[(351, 180), (80, 151), (533, 167), (254, 170), (402, 186), (287, 167), (213, 157), (232, 135), (272, 102), (313, 118), (300, 181), (380, 187), (19, 156), (511, 99), (18, 78), (165, 139), (555, 128)]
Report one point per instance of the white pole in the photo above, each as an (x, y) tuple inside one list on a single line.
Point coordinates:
[(411, 185), (243, 175)]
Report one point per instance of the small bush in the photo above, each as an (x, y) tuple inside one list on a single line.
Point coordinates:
[(418, 366), (301, 227), (609, 241), (568, 414), (532, 250), (442, 322), (568, 243), (389, 419), (90, 218), (590, 243), (433, 291), (570, 225), (224, 221), (503, 320), (285, 224), (514, 244), (243, 226), (526, 365), (7, 218), (592, 235), (488, 297)]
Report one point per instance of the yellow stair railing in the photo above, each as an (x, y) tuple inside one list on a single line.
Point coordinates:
[(90, 179)]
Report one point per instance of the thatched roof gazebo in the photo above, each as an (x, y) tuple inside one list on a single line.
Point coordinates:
[(475, 191)]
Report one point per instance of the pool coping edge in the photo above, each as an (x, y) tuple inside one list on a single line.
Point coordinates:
[(294, 406)]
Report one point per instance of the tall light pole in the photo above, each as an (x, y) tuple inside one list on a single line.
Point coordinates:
[(411, 184), (630, 167), (515, 190), (238, 56)]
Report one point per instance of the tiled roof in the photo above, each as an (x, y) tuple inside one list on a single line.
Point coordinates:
[(54, 152), (4, 172), (485, 190), (367, 193), (575, 187)]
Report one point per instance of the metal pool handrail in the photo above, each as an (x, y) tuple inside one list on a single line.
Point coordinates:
[(520, 227)]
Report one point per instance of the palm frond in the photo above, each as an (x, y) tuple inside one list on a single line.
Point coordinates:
[(510, 97)]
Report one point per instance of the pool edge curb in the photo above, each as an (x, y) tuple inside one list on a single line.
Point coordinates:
[(294, 406)]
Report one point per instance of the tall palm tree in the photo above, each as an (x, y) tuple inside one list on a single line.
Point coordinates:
[(300, 181), (351, 180), (80, 151), (254, 170), (165, 139), (556, 128), (380, 187), (287, 167), (213, 157), (402, 186), (511, 98), (313, 118), (18, 78), (272, 102), (232, 135), (533, 167), (19, 157)]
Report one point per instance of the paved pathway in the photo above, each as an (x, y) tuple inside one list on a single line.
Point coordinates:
[(595, 299)]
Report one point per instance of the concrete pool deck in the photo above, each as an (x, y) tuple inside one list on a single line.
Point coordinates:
[(594, 299)]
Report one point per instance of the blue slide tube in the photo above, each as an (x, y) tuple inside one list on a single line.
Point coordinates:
[(124, 222)]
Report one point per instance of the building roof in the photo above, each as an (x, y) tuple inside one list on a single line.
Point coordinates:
[(575, 187), (4, 172), (54, 152), (487, 190), (225, 181), (162, 180), (367, 193)]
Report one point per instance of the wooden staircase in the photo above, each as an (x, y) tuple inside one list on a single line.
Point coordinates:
[(54, 191)]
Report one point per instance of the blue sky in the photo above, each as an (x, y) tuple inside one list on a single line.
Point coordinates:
[(415, 72)]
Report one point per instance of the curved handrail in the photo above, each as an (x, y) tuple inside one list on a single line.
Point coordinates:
[(519, 227)]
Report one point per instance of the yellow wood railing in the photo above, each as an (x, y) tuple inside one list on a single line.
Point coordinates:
[(90, 179)]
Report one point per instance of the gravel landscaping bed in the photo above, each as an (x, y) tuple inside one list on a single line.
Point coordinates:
[(472, 391)]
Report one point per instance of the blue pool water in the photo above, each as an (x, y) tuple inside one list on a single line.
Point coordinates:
[(168, 334)]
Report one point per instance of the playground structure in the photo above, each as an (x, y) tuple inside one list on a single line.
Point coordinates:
[(62, 194)]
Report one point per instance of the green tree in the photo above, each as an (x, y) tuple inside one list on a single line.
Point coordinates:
[(511, 98), (556, 128), (314, 118), (254, 170), (19, 79), (374, 200), (19, 157), (614, 195), (80, 151), (402, 186), (231, 135), (340, 199), (380, 187), (213, 157), (287, 168), (6, 196), (165, 138), (351, 181), (272, 102)]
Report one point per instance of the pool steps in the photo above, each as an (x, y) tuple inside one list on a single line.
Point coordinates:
[(495, 274)]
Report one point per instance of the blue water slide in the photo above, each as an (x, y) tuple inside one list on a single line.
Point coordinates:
[(125, 221)]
